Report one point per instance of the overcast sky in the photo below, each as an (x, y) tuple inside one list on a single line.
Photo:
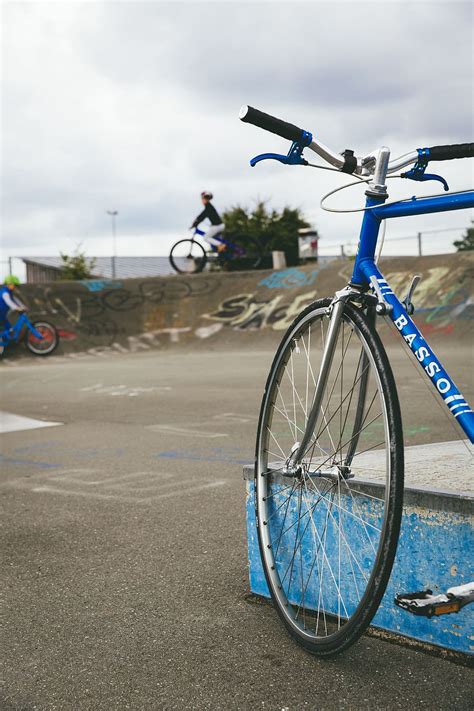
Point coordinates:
[(132, 106)]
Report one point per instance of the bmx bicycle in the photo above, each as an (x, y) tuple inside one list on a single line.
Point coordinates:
[(41, 338), (329, 459), (189, 256)]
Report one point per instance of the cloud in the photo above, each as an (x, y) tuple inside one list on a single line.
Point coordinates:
[(132, 106)]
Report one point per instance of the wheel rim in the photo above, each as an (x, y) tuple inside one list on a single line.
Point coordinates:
[(321, 535), (188, 256), (44, 344), (253, 253)]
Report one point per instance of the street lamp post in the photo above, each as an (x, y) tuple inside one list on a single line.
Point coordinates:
[(113, 214)]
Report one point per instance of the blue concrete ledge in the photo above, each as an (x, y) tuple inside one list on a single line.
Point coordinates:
[(434, 551)]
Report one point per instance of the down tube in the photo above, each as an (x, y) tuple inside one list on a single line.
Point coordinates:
[(427, 359)]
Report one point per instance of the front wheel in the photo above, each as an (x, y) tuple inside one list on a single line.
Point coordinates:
[(47, 343), (188, 257), (328, 529)]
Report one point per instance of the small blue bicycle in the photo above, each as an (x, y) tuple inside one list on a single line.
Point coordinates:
[(41, 338), (329, 461), (188, 256)]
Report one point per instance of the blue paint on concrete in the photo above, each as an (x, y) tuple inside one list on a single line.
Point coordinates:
[(101, 284), (27, 463), (232, 455), (38, 447), (434, 551), (94, 452), (289, 279)]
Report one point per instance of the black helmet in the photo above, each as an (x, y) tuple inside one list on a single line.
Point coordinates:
[(206, 194)]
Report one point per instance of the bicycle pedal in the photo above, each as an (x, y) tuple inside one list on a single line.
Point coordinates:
[(425, 604)]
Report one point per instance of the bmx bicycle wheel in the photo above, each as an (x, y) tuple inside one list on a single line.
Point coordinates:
[(328, 533), (188, 257), (45, 345), (247, 255), (254, 253)]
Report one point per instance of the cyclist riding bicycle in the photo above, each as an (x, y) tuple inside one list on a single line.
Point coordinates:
[(9, 301), (217, 226)]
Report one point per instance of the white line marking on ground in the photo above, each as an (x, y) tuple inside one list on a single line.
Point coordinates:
[(124, 390), (175, 482), (190, 490), (46, 489), (16, 423), (89, 495), (184, 431), (147, 480), (108, 482), (232, 417)]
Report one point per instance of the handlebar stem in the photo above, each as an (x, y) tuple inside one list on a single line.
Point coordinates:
[(377, 187)]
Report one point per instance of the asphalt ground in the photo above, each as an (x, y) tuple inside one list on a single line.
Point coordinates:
[(124, 549)]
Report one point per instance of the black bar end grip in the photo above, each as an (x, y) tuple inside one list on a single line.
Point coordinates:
[(459, 150), (248, 114)]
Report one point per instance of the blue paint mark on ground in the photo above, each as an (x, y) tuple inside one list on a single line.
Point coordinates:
[(38, 447), (289, 279), (27, 463), (231, 455)]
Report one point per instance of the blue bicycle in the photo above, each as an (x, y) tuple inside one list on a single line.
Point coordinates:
[(188, 256), (329, 462), (41, 338)]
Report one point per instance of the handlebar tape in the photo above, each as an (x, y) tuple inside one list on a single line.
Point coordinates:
[(459, 150), (258, 118)]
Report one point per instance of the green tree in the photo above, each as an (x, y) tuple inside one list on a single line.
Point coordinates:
[(275, 230), (467, 242), (76, 266)]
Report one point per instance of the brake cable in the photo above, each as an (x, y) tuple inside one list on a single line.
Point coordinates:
[(367, 180)]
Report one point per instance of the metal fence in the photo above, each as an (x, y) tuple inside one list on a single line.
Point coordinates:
[(419, 244)]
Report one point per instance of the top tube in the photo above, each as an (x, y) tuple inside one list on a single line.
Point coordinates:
[(427, 205), (416, 206)]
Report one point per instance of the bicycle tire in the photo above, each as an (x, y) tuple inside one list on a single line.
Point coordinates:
[(32, 343), (188, 263), (335, 629), (254, 252)]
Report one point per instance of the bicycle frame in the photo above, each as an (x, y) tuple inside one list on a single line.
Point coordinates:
[(12, 335), (237, 251), (366, 274), (366, 271)]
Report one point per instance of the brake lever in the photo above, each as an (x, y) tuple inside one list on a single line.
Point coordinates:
[(411, 175), (295, 154), (418, 170)]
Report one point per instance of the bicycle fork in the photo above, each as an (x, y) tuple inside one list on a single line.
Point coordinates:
[(294, 463)]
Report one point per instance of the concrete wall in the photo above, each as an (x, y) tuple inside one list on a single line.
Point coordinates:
[(100, 316)]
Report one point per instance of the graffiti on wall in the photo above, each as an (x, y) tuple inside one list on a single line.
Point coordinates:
[(76, 303), (100, 317), (108, 312), (246, 311), (101, 284), (289, 279), (440, 298)]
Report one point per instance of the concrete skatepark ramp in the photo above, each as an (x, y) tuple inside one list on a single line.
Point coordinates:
[(220, 309)]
